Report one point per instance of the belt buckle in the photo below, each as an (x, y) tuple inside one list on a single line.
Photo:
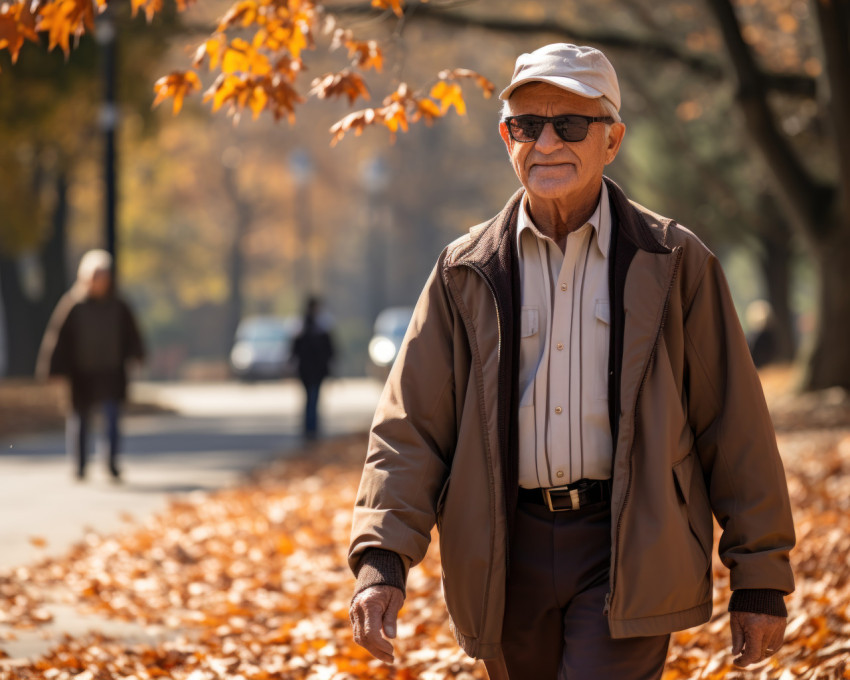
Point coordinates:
[(575, 504)]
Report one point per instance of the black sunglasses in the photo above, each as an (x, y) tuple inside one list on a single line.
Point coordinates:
[(571, 127)]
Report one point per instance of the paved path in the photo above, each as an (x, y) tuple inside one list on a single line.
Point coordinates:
[(218, 433)]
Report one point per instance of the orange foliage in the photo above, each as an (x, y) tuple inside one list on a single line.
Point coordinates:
[(258, 68), (256, 582), (16, 25), (253, 581), (61, 19)]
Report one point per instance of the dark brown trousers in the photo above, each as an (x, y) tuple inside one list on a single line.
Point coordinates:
[(554, 624)]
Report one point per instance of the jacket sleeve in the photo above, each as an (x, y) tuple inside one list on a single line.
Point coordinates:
[(735, 440), (412, 437)]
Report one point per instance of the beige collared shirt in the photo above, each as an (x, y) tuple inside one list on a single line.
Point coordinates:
[(564, 432)]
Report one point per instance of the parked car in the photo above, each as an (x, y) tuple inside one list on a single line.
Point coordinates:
[(262, 347), (390, 327)]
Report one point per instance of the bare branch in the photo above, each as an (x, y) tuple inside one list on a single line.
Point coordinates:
[(653, 48), (806, 199)]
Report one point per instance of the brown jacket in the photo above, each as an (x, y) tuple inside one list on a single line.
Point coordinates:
[(90, 341), (692, 434)]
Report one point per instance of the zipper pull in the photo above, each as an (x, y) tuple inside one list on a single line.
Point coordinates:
[(607, 607)]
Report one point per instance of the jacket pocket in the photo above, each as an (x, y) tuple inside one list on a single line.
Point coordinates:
[(441, 502), (529, 353), (694, 497)]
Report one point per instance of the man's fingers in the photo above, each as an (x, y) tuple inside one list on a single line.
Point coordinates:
[(753, 647), (375, 610), (737, 636), (762, 636), (391, 614), (776, 640), (377, 645)]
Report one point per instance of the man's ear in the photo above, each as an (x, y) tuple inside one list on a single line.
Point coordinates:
[(506, 138), (615, 139)]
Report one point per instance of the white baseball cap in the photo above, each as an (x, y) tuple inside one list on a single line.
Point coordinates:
[(582, 70)]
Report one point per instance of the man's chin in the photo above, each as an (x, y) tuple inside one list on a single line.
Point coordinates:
[(551, 187)]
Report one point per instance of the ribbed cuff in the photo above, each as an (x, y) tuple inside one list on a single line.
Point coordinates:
[(378, 567), (758, 601)]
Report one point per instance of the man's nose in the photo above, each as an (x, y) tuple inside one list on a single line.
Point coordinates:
[(548, 140)]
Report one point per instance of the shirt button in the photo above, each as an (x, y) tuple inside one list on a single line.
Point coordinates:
[(563, 286), (558, 409), (560, 346), (559, 473)]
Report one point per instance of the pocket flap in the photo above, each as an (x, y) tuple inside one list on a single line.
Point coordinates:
[(529, 323), (603, 311)]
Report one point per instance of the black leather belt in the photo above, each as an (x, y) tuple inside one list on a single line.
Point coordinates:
[(570, 497)]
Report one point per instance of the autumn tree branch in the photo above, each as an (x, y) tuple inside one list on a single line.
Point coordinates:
[(806, 198), (653, 48)]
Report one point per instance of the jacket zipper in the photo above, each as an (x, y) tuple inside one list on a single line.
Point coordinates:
[(610, 595), (492, 290)]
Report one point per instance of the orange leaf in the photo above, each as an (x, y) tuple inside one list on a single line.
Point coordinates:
[(486, 85), (151, 7), (426, 109), (177, 85), (449, 94), (16, 25), (366, 54), (244, 12), (344, 83), (395, 117), (62, 18), (356, 121)]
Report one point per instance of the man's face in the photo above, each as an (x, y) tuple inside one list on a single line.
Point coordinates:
[(550, 168)]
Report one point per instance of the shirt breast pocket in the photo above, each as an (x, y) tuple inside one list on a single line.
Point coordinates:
[(602, 332), (529, 349)]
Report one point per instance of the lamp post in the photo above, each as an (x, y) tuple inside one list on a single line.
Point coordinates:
[(375, 179), (105, 35), (301, 168)]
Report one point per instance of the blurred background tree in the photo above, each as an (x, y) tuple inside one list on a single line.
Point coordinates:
[(218, 222)]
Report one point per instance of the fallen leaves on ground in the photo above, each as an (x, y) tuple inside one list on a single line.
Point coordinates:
[(252, 583)]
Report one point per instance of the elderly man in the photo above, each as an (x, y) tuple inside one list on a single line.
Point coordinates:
[(573, 401)]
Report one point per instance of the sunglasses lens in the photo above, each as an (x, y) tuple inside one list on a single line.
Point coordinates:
[(526, 128), (571, 128)]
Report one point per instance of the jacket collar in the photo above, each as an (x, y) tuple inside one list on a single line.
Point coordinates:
[(493, 243)]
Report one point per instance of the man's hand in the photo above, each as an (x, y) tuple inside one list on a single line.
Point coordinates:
[(755, 636), (373, 610)]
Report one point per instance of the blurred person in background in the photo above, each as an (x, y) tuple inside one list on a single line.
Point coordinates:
[(91, 338), (312, 350)]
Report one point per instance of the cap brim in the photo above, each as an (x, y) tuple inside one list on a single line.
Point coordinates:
[(569, 84)]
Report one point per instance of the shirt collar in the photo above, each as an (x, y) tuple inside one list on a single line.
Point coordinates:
[(600, 220)]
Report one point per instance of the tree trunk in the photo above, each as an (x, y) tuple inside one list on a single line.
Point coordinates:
[(775, 236), (829, 362), (244, 216), (54, 252), (23, 321)]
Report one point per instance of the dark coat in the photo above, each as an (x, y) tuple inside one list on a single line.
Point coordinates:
[(313, 350), (89, 341)]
